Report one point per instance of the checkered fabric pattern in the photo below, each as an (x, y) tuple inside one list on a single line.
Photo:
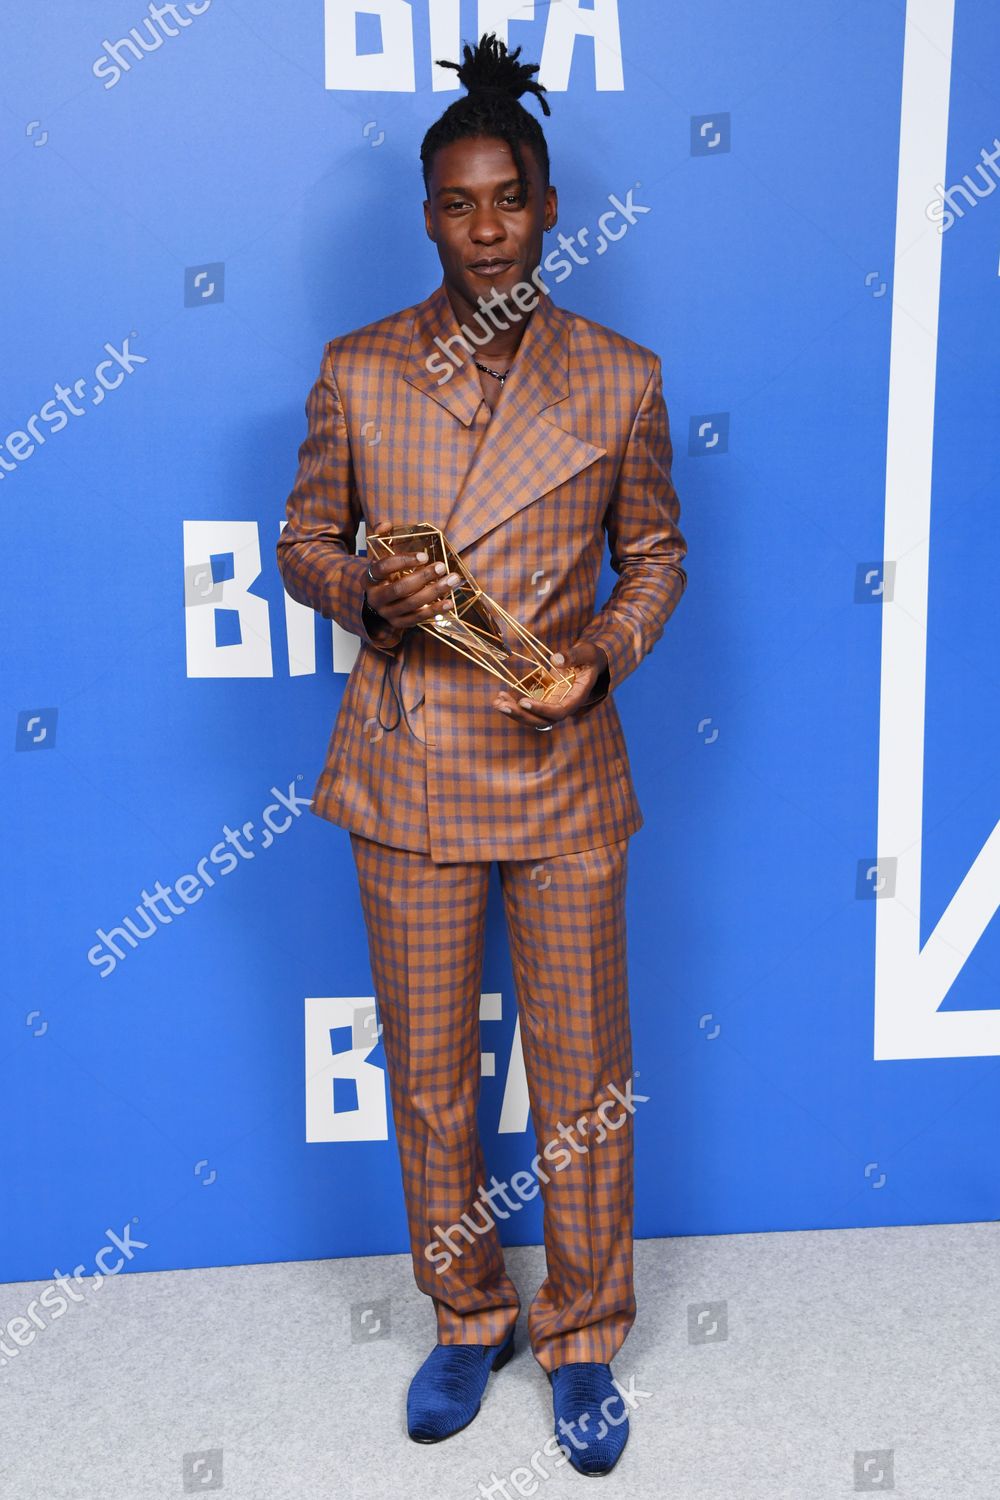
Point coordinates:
[(566, 929), (575, 455)]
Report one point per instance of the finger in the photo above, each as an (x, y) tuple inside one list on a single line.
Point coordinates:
[(401, 582), (531, 705), (425, 586), (511, 705), (407, 601), (543, 711), (401, 562), (426, 603), (518, 715)]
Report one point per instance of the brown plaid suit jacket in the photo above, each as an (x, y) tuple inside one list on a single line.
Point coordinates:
[(577, 447)]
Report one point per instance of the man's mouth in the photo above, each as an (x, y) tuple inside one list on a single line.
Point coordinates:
[(490, 267)]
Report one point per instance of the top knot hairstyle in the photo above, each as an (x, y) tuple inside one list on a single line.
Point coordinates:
[(494, 81)]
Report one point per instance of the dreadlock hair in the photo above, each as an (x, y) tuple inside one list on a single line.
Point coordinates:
[(494, 81)]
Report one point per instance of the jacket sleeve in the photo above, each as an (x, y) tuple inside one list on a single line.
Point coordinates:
[(647, 548), (316, 548)]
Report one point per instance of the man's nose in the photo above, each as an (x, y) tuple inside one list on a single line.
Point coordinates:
[(487, 226)]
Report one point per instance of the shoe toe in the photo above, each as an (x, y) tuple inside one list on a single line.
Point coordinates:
[(428, 1423), (446, 1392), (584, 1395)]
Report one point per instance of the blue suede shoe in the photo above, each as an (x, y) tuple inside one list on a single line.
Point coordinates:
[(596, 1437), (446, 1392)]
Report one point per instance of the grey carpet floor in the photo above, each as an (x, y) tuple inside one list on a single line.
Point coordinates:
[(808, 1365)]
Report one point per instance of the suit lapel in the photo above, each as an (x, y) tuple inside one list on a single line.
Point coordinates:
[(523, 453), (461, 393)]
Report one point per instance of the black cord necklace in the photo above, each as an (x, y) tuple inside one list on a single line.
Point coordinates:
[(500, 375)]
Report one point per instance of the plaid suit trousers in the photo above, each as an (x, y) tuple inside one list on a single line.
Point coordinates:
[(566, 931)]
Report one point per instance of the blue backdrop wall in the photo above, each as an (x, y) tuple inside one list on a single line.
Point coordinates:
[(196, 198)]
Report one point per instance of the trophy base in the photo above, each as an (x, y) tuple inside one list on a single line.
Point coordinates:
[(544, 688)]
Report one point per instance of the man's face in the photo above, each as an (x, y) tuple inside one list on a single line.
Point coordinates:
[(474, 214)]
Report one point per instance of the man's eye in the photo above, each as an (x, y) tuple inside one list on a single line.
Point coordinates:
[(511, 198)]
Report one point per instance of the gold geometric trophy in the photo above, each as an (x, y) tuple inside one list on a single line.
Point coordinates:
[(473, 623)]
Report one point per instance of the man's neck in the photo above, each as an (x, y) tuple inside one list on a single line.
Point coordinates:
[(503, 342)]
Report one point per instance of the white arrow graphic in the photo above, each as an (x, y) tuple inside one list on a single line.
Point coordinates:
[(911, 983)]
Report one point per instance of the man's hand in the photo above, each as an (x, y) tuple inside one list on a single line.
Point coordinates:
[(405, 598), (587, 660)]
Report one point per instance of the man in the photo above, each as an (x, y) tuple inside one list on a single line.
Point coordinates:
[(527, 434)]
